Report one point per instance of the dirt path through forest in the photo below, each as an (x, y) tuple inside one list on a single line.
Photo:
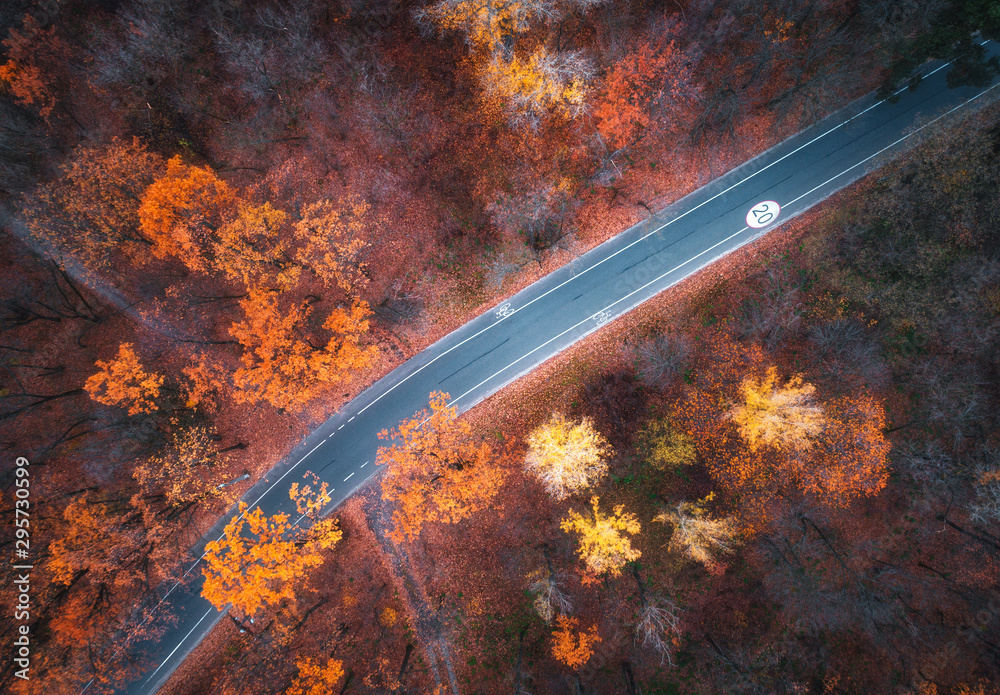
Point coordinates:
[(426, 623)]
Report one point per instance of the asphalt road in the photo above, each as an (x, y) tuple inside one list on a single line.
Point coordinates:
[(502, 344)]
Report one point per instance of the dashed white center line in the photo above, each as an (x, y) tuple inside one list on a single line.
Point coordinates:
[(351, 418), (365, 464), (348, 477), (341, 427)]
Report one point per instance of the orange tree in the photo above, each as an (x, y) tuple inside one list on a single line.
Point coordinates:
[(124, 382), (571, 646), (650, 88), (255, 562), (758, 435), (282, 367), (316, 677), (181, 211), (91, 211), (436, 469)]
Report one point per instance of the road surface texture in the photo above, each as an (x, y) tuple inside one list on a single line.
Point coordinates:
[(502, 344)]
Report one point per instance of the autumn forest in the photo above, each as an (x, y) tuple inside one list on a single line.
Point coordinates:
[(223, 220)]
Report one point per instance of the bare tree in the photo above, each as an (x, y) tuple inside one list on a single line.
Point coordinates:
[(658, 622), (663, 359), (697, 535), (548, 589)]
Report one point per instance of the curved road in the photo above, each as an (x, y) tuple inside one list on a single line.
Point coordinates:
[(499, 346)]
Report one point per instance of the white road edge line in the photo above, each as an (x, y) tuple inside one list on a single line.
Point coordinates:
[(646, 236), (657, 279), (164, 663), (639, 240)]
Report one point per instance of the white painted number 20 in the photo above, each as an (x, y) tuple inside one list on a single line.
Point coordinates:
[(763, 214)]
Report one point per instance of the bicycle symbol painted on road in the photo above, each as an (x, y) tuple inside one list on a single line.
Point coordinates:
[(503, 311), (763, 214), (602, 317)]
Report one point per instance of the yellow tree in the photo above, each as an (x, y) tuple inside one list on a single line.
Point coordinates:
[(283, 368), (187, 471), (604, 547), (666, 447), (565, 456), (436, 469), (697, 535), (247, 245), (786, 417), (316, 677), (543, 83), (181, 211), (572, 646), (123, 382), (332, 238), (485, 23), (255, 562)]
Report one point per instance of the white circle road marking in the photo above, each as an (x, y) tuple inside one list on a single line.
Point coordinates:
[(763, 214)]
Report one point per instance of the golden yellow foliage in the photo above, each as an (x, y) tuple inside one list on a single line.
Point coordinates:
[(122, 381), (697, 535), (666, 447), (571, 646), (541, 84), (604, 547), (484, 22), (184, 471), (333, 236), (247, 246), (781, 416)]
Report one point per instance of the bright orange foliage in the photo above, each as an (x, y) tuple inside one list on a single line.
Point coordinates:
[(656, 77), (201, 379), (281, 367), (181, 209), (122, 381), (852, 457), (436, 472), (257, 569), (315, 677), (571, 646)]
